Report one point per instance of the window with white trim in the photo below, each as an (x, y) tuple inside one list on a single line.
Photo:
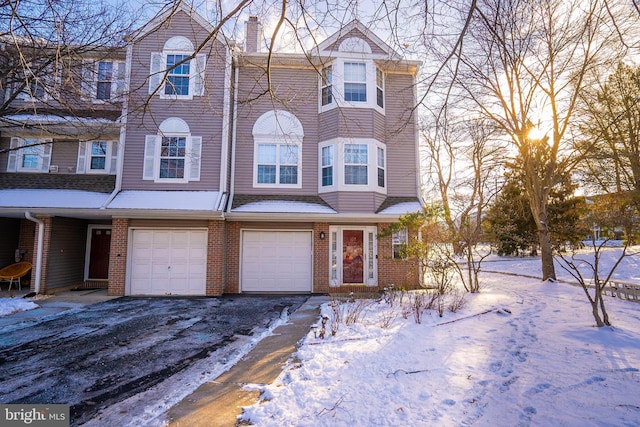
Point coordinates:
[(355, 82), (278, 164), (327, 88), (379, 88), (38, 82), (356, 164), (381, 168), (277, 159), (29, 155), (327, 165), (103, 80), (176, 73), (399, 241), (173, 155), (97, 157)]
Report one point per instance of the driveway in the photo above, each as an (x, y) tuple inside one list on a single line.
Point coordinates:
[(107, 352)]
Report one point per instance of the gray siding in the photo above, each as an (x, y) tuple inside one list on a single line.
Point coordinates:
[(296, 91), (66, 252), (354, 202), (375, 49), (203, 114), (402, 172), (352, 123)]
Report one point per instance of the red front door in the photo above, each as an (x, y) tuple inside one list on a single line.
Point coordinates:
[(352, 256), (99, 253)]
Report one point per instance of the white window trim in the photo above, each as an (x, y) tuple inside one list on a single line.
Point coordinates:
[(14, 157), (84, 158), (259, 140), (338, 166), (172, 127), (398, 240), (338, 84), (117, 81), (158, 76)]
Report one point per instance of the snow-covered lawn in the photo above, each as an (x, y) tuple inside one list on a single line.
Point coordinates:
[(519, 353)]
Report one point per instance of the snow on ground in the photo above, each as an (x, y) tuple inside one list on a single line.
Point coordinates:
[(520, 353), (13, 305)]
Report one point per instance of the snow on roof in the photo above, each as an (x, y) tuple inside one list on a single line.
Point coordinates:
[(401, 208), (16, 119), (38, 198), (283, 206), (169, 200)]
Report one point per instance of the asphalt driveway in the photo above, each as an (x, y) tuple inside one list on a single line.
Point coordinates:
[(107, 352)]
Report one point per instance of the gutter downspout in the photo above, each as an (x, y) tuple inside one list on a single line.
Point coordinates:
[(123, 130), (40, 223), (234, 121)]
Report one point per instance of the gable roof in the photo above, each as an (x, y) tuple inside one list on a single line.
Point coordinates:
[(166, 13), (357, 25)]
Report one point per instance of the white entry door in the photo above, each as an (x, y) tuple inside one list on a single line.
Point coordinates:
[(168, 262), (276, 261)]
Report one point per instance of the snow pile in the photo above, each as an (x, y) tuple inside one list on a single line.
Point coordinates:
[(13, 305), (521, 353)]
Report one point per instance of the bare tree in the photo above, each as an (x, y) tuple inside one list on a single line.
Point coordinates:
[(463, 162), (524, 66)]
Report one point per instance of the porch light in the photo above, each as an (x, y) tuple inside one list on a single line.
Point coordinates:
[(322, 235)]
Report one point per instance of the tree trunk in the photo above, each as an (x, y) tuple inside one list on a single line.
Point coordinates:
[(546, 251)]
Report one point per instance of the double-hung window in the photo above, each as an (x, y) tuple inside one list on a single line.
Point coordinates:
[(399, 240), (104, 80), (176, 73), (97, 157), (327, 166), (327, 88), (29, 155), (278, 164), (173, 155), (381, 168), (355, 82), (379, 88), (178, 77), (356, 164)]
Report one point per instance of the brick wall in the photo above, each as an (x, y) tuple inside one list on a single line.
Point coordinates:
[(27, 239), (320, 258), (118, 256), (215, 257), (401, 273), (232, 264)]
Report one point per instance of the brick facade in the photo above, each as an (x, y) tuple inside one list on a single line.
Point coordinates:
[(215, 258), (232, 266), (398, 272), (118, 256), (320, 258)]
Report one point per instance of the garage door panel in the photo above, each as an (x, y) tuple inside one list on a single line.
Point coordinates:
[(168, 262), (276, 261)]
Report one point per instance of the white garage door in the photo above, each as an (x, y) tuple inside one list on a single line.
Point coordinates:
[(276, 261), (168, 262)]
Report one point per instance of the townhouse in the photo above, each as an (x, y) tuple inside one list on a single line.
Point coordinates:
[(221, 169)]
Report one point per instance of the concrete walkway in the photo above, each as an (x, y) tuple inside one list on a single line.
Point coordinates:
[(220, 402)]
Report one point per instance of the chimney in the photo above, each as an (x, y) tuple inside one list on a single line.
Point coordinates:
[(253, 32)]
